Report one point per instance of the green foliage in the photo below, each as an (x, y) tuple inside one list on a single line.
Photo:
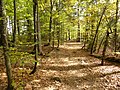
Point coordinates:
[(20, 57)]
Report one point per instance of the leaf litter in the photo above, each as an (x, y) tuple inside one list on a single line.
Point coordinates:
[(68, 68)]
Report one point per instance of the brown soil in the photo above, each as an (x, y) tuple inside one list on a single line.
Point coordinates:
[(67, 68)]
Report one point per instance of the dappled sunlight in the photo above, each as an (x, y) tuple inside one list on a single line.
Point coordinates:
[(77, 70), (109, 69), (36, 81), (73, 45), (68, 61), (70, 68), (77, 73), (50, 88), (49, 72), (106, 70), (62, 62), (3, 75)]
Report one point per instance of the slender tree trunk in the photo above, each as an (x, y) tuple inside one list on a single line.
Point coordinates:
[(78, 33), (18, 28), (100, 44), (53, 34), (94, 39), (1, 38), (58, 23), (58, 38), (115, 30), (62, 33), (0, 32), (5, 47), (29, 28), (95, 44), (15, 20), (68, 34), (38, 33), (105, 47), (85, 39), (35, 3), (50, 22)]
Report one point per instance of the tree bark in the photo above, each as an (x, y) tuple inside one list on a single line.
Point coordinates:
[(5, 47), (18, 29), (94, 39), (35, 3), (78, 33), (38, 32), (105, 47), (50, 22), (68, 34), (115, 30), (53, 34), (15, 20), (29, 29)]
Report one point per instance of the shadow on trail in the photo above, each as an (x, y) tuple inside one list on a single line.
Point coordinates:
[(90, 80), (86, 80), (71, 67)]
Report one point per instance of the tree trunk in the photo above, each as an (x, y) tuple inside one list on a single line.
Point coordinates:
[(115, 30), (53, 34), (50, 22), (35, 3), (78, 33), (15, 20), (29, 28), (68, 34), (105, 47), (100, 44), (5, 47), (18, 28), (58, 23), (58, 37), (94, 39), (39, 33), (0, 32)]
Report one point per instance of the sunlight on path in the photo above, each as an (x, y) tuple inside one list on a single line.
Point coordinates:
[(75, 45), (76, 70)]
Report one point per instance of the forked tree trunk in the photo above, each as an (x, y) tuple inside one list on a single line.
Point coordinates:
[(96, 33)]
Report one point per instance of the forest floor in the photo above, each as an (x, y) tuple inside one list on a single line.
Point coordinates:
[(69, 68)]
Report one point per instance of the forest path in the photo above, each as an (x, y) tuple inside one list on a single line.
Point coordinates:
[(71, 68)]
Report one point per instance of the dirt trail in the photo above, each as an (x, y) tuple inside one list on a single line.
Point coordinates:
[(71, 68), (68, 68)]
